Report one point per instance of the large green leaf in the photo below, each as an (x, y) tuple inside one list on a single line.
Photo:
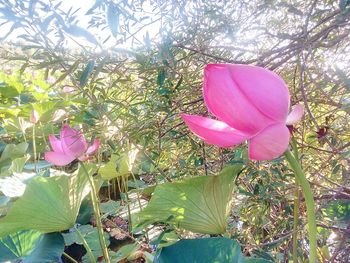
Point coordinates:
[(48, 249), (19, 244), (199, 204), (31, 246), (48, 204), (13, 151), (205, 250)]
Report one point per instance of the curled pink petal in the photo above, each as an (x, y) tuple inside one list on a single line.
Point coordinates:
[(295, 115), (226, 97), (94, 147), (59, 159), (55, 144), (213, 131), (269, 143), (73, 142)]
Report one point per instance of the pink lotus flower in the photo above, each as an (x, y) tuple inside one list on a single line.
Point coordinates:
[(72, 145), (251, 103)]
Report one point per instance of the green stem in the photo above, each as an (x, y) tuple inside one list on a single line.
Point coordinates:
[(97, 212), (295, 223), (296, 206), (310, 204), (69, 257), (86, 246), (34, 148)]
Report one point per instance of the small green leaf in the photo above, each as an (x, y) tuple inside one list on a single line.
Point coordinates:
[(113, 18), (119, 165), (161, 77), (78, 31), (86, 73), (125, 251)]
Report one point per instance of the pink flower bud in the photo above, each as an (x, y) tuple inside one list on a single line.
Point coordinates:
[(34, 117)]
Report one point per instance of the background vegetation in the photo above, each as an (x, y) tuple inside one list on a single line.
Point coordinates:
[(134, 66)]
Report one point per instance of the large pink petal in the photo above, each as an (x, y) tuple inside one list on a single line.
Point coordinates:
[(226, 98), (295, 115), (264, 89), (73, 142), (270, 143), (55, 144), (59, 159), (213, 131), (94, 147)]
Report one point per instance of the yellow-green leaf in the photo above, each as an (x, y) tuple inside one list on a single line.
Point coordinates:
[(48, 204), (199, 204)]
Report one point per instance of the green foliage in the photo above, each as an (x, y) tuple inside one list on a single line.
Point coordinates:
[(199, 204), (204, 250), (90, 235), (48, 204), (31, 246), (133, 70)]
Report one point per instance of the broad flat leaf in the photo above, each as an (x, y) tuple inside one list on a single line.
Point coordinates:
[(13, 151), (110, 207), (49, 248), (256, 260), (15, 185), (49, 204), (40, 165), (16, 166), (31, 246), (203, 250), (199, 204), (21, 243)]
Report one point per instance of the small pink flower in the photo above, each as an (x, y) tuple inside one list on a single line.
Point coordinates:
[(34, 117), (51, 80), (68, 89), (251, 104), (72, 145)]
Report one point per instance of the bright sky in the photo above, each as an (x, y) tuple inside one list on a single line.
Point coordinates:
[(84, 6)]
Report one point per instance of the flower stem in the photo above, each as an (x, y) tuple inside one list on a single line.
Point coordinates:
[(69, 257), (86, 245), (310, 204), (97, 212), (296, 207), (34, 149)]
